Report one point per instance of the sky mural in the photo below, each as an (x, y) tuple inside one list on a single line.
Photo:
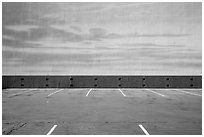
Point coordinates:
[(101, 38)]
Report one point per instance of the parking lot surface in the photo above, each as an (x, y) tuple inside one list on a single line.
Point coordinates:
[(102, 111)]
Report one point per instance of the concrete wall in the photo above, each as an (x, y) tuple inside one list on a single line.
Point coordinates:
[(101, 81)]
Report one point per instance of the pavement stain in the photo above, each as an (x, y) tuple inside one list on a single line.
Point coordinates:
[(8, 130), (40, 124)]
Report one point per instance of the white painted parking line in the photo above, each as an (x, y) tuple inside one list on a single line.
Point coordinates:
[(54, 92), (88, 92), (19, 93), (122, 92), (188, 93), (51, 130), (156, 93), (144, 130)]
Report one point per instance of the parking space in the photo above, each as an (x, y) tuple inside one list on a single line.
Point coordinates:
[(105, 93), (101, 111), (98, 128)]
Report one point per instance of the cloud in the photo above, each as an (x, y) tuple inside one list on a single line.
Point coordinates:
[(41, 33), (14, 44), (25, 33), (78, 29), (6, 37), (65, 57), (163, 35), (98, 32), (20, 12), (31, 33), (180, 64), (101, 38), (135, 34), (20, 27)]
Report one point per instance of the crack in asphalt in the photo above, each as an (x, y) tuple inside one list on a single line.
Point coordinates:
[(9, 130)]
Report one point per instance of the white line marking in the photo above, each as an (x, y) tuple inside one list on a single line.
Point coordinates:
[(54, 92), (51, 130), (189, 93), (19, 93), (88, 92), (144, 130), (156, 93), (122, 92)]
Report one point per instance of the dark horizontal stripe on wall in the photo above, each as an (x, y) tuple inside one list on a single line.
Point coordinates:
[(102, 81)]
